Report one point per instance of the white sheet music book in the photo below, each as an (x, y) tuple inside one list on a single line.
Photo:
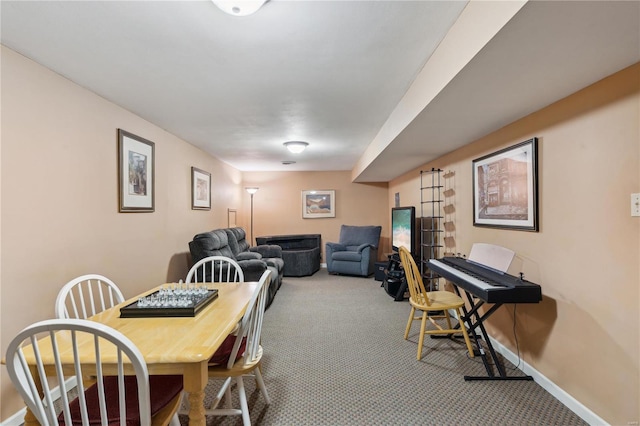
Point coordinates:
[(495, 257)]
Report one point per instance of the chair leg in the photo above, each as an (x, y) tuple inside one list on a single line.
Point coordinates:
[(448, 317), (175, 421), (423, 329), (464, 333), (246, 419), (406, 331), (261, 386)]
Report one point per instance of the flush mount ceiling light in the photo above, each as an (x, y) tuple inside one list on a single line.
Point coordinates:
[(296, 146), (239, 7)]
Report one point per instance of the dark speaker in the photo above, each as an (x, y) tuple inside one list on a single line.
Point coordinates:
[(395, 287), (378, 272)]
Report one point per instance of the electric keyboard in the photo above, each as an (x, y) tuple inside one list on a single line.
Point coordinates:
[(487, 284)]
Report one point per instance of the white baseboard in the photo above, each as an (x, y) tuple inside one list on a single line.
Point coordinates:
[(567, 400), (562, 396), (17, 419)]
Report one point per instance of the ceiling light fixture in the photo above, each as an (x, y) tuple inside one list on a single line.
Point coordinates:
[(296, 146), (239, 7)]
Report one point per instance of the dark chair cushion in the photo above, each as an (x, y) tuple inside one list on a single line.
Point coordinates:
[(163, 390), (224, 351)]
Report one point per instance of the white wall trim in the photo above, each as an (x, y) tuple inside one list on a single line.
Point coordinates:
[(562, 396), (558, 393), (17, 419)]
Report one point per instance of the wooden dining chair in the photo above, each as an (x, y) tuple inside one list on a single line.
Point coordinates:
[(113, 398), (244, 359), (433, 305), (215, 269), (86, 296)]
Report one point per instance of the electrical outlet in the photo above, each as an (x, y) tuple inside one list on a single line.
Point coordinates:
[(635, 204)]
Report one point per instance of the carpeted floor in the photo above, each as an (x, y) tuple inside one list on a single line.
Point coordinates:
[(335, 355)]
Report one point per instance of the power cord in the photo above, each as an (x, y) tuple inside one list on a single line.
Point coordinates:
[(515, 337)]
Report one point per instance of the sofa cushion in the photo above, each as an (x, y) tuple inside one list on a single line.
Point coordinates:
[(237, 240)]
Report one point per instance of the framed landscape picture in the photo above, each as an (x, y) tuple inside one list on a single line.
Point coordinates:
[(505, 188), (200, 189), (318, 204), (136, 169)]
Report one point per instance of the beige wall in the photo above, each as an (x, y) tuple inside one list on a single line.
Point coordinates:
[(278, 205), (584, 336), (60, 202)]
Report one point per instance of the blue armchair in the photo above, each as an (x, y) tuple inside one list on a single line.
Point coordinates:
[(357, 251)]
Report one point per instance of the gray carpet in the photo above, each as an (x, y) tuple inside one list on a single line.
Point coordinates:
[(335, 355)]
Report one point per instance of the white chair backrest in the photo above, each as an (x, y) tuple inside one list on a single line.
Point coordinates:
[(50, 336), (86, 296), (219, 269), (251, 323)]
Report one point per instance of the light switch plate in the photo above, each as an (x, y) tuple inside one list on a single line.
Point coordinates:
[(635, 204)]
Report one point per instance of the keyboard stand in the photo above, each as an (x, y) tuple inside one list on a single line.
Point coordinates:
[(474, 320)]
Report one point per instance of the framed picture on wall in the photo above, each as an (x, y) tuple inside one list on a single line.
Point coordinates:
[(318, 204), (505, 188), (200, 189), (136, 169)]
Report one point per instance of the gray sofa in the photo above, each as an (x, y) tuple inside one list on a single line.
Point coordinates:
[(231, 242)]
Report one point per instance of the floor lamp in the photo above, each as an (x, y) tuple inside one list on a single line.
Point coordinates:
[(252, 190)]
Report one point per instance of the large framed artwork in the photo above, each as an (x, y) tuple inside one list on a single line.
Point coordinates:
[(200, 189), (318, 204), (505, 188), (136, 170)]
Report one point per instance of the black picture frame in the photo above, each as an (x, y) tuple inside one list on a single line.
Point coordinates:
[(505, 188), (136, 173)]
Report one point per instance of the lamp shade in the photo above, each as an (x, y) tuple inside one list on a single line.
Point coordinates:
[(251, 189)]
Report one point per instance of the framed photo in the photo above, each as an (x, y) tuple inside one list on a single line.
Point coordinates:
[(136, 169), (318, 204), (505, 188), (200, 189)]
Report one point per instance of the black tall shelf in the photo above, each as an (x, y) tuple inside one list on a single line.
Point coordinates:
[(431, 220)]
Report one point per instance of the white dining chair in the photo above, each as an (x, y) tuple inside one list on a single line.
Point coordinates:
[(113, 398), (86, 296), (215, 269), (245, 357)]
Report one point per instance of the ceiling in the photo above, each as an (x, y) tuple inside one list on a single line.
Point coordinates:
[(330, 73)]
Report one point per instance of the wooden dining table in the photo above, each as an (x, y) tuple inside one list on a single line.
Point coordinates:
[(181, 345)]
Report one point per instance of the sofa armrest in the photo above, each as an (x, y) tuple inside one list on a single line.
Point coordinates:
[(267, 250), (252, 269), (247, 255)]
